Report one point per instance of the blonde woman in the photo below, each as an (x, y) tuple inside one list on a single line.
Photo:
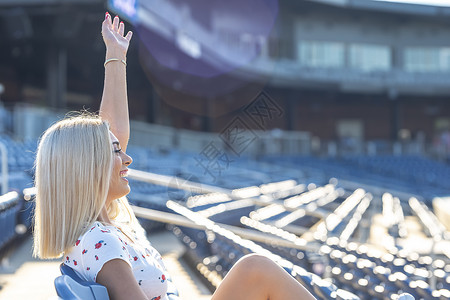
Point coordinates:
[(82, 215)]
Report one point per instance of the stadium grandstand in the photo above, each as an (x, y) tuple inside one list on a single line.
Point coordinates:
[(314, 132)]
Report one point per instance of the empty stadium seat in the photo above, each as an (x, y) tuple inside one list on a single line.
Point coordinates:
[(68, 288), (97, 291), (405, 296), (9, 207)]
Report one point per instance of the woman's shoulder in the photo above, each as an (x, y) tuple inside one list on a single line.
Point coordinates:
[(98, 238), (97, 228), (96, 246), (96, 234)]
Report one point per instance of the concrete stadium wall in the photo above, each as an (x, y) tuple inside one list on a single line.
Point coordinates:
[(259, 142), (30, 122)]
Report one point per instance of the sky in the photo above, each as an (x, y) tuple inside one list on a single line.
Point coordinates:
[(428, 2)]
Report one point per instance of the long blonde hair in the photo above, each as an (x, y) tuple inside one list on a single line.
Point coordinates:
[(73, 169)]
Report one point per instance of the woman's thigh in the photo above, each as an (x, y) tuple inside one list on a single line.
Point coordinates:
[(256, 277)]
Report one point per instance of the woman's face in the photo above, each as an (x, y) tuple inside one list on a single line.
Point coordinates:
[(118, 185)]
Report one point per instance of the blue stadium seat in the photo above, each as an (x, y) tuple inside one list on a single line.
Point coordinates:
[(422, 289), (323, 288), (97, 291), (70, 286), (405, 296), (444, 294), (344, 295), (9, 207), (304, 278)]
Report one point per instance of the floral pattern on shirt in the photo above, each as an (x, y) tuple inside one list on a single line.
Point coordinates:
[(101, 244)]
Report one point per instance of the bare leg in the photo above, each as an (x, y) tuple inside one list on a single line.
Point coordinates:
[(255, 277)]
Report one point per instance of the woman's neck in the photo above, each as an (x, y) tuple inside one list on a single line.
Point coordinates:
[(103, 217)]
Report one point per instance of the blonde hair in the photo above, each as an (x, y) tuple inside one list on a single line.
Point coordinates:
[(123, 217), (73, 169)]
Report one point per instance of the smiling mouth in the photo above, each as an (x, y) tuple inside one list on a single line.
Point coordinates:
[(124, 174)]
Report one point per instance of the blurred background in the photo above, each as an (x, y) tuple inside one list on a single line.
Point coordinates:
[(343, 103)]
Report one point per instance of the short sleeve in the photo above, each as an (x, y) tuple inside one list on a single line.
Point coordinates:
[(95, 248)]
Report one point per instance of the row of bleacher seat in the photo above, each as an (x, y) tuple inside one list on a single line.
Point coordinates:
[(20, 154), (429, 220), (381, 169), (15, 218), (9, 208), (415, 169), (359, 269), (302, 206), (228, 248), (384, 272), (397, 173), (15, 213)]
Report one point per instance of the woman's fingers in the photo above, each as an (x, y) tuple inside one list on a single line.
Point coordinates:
[(121, 28), (116, 24), (113, 30), (107, 23), (129, 35)]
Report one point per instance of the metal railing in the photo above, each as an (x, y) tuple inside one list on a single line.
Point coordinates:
[(175, 182), (175, 219), (170, 218)]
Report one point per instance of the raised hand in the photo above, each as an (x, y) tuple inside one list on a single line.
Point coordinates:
[(113, 35), (114, 105)]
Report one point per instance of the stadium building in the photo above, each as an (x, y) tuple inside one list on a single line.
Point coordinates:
[(230, 104), (344, 71)]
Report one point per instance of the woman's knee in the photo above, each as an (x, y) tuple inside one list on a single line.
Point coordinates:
[(254, 266), (248, 279), (254, 259)]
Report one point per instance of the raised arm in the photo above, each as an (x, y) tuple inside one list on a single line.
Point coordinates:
[(114, 104)]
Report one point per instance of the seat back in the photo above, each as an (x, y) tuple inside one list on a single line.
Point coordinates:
[(69, 286), (97, 291), (66, 270), (69, 289)]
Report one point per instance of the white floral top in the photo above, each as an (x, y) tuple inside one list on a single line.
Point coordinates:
[(102, 243)]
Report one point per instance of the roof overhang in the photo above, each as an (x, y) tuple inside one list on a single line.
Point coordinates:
[(390, 7)]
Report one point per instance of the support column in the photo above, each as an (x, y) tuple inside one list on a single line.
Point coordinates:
[(396, 114), (62, 78), (291, 110), (207, 113), (397, 64), (347, 58), (154, 108), (56, 77), (397, 58)]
